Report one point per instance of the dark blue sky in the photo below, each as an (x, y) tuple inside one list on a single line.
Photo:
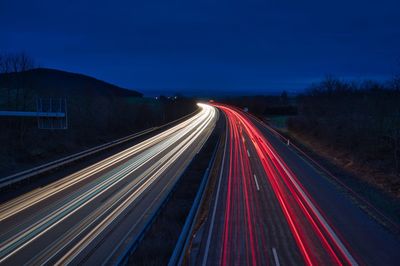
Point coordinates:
[(208, 45)]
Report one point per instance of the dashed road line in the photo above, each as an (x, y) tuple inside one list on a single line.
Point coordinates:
[(276, 257), (255, 179)]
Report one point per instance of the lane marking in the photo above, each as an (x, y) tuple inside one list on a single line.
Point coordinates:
[(316, 212), (248, 153), (255, 179), (276, 257), (303, 196)]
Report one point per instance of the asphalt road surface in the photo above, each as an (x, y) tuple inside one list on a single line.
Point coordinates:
[(271, 207), (89, 217)]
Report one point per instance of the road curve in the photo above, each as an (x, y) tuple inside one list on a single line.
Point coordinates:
[(89, 217), (271, 207)]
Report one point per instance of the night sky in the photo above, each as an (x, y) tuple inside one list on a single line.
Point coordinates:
[(208, 46)]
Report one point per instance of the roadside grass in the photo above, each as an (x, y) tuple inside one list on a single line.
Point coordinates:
[(278, 121), (355, 176)]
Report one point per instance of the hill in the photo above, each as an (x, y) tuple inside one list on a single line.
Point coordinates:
[(98, 112), (46, 82)]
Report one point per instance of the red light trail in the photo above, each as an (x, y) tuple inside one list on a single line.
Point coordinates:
[(316, 239), (238, 176)]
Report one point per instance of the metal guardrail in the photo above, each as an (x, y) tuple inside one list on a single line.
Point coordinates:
[(11, 179), (134, 243), (18, 177), (181, 245)]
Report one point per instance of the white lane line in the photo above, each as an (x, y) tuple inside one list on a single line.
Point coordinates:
[(204, 263), (248, 153), (314, 209), (255, 179), (276, 257)]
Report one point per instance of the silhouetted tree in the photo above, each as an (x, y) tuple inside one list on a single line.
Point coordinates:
[(284, 98), (361, 119)]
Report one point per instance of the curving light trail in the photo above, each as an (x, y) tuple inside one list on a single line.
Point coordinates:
[(95, 199), (316, 239), (21, 203)]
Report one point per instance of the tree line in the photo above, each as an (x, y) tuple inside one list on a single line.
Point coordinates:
[(361, 118), (93, 117), (265, 105)]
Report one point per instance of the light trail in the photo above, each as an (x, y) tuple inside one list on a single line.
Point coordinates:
[(131, 173), (308, 225), (242, 226), (21, 203), (164, 164)]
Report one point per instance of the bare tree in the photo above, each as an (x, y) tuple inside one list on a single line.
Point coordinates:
[(15, 64), (5, 68), (15, 84), (21, 63)]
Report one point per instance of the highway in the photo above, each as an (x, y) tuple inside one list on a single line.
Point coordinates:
[(271, 207), (90, 216)]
